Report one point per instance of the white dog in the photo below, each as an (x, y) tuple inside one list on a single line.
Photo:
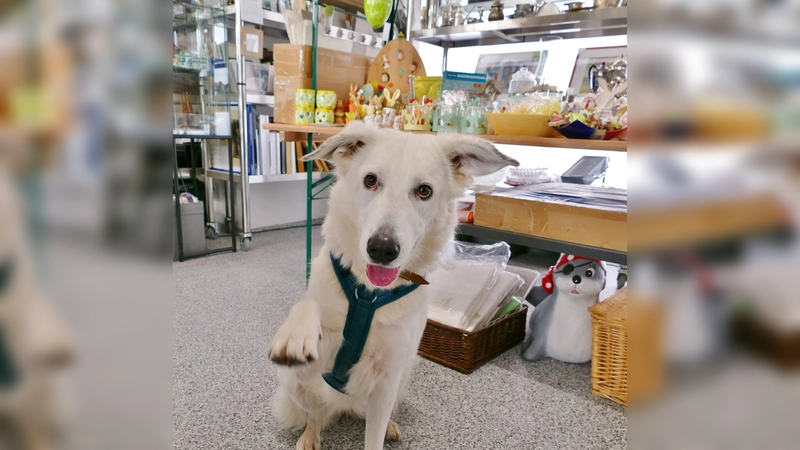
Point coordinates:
[(391, 213)]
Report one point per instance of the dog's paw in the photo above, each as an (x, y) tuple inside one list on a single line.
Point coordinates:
[(393, 431), (308, 441), (295, 344)]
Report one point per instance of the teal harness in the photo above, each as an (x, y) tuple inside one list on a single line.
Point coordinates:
[(363, 304)]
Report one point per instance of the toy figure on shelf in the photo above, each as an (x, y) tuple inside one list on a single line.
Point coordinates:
[(355, 94), (352, 112), (339, 113), (393, 100), (388, 118), (398, 122), (561, 326), (605, 98)]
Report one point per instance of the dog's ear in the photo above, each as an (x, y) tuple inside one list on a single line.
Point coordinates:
[(343, 145), (472, 157)]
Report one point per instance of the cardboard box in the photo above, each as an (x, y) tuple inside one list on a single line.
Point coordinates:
[(252, 43), (335, 71), (510, 211)]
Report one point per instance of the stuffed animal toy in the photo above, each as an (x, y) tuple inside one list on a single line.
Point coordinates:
[(561, 326)]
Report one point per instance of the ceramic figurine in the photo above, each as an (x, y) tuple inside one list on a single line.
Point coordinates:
[(561, 326), (398, 122), (369, 120), (605, 98), (339, 113), (388, 117), (354, 94), (393, 99)]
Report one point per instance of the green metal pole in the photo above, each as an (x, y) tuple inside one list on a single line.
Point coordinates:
[(309, 164)]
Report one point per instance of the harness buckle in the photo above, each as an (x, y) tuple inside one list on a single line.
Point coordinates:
[(356, 292)]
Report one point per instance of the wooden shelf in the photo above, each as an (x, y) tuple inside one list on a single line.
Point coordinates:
[(299, 133)]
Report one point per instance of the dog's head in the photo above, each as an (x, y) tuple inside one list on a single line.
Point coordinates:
[(394, 200)]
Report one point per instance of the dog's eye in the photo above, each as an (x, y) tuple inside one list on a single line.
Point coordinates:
[(424, 192), (371, 181), (589, 273)]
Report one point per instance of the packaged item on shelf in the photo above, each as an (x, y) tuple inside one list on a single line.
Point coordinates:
[(470, 83), (428, 87)]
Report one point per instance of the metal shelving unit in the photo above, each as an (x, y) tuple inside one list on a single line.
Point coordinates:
[(582, 24), (601, 22)]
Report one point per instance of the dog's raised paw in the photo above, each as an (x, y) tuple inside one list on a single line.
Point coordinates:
[(294, 345), (393, 431)]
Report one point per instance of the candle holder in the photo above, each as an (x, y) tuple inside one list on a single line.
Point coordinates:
[(473, 121), (418, 117), (446, 117)]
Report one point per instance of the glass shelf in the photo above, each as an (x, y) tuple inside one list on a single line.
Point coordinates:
[(201, 74)]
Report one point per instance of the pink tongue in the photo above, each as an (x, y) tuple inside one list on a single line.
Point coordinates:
[(380, 275)]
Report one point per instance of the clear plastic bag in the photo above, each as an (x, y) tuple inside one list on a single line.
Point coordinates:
[(465, 281)]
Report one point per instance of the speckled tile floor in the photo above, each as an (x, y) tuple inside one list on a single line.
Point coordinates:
[(226, 309)]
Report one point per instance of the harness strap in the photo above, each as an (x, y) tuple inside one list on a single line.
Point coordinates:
[(362, 306)]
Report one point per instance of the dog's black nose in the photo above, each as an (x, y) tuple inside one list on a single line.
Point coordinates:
[(382, 248), (576, 279)]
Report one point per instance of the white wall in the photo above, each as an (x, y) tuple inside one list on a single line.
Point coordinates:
[(276, 204)]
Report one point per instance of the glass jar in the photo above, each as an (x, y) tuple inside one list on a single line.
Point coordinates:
[(522, 82)]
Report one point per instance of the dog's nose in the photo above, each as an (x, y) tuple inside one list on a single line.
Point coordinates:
[(576, 279), (382, 248)]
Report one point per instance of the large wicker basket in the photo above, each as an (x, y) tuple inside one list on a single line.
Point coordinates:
[(610, 347), (466, 351)]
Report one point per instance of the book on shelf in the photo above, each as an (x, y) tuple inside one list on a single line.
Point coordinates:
[(301, 166), (263, 145)]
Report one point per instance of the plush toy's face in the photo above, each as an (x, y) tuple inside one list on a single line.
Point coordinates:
[(580, 279)]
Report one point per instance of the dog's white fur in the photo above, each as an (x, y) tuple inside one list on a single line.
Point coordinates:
[(311, 336)]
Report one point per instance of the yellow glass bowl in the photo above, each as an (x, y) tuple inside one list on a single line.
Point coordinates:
[(513, 124)]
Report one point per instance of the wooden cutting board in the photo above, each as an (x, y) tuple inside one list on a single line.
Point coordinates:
[(395, 62)]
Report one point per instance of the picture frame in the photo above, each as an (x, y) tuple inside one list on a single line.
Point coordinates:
[(501, 66), (579, 83)]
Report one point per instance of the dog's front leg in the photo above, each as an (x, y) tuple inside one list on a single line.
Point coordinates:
[(297, 339), (379, 409)]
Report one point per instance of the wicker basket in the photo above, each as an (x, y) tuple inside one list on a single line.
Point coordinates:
[(610, 347), (465, 351)]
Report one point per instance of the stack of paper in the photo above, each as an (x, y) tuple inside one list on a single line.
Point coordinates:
[(468, 294)]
